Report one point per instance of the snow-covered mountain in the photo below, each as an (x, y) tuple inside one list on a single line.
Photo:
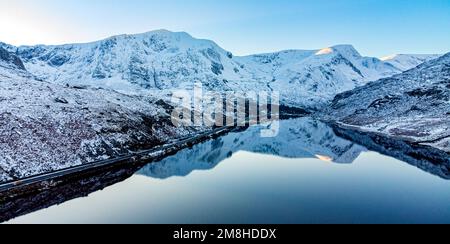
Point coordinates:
[(408, 61), (414, 105), (312, 78), (46, 126), (154, 60), (298, 138), (162, 60)]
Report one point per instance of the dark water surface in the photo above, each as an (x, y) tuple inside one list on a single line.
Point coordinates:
[(305, 175)]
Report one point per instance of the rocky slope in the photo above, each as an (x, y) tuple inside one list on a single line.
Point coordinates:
[(9, 60), (46, 126), (161, 60), (413, 106)]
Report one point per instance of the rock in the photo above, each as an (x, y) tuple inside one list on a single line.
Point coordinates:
[(11, 58), (61, 100)]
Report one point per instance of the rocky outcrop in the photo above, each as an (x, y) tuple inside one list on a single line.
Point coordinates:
[(11, 59)]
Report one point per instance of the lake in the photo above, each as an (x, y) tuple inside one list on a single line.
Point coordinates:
[(307, 174)]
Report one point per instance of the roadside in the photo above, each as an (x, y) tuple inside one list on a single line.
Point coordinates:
[(142, 157)]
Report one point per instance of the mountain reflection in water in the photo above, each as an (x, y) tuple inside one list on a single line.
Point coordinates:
[(298, 138)]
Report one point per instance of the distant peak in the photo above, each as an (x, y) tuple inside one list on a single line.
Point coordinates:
[(167, 33), (342, 49), (160, 32), (325, 51), (418, 56), (344, 46), (164, 32), (389, 57), (348, 49)]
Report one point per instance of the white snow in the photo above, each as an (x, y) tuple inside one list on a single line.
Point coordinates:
[(325, 51), (161, 60)]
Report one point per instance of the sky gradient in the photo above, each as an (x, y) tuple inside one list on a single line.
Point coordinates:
[(374, 27)]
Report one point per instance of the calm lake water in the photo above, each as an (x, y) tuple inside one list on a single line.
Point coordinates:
[(305, 175)]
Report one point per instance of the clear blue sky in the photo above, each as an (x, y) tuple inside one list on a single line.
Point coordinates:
[(374, 27)]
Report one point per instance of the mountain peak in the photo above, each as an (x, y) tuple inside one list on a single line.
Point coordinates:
[(160, 32), (325, 51), (164, 32), (166, 37), (390, 57), (345, 50), (416, 56)]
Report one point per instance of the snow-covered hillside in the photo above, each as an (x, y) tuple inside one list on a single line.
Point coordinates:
[(46, 126), (163, 60), (313, 78), (408, 61), (414, 105)]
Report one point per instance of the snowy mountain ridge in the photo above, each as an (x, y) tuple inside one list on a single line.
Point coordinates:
[(408, 61), (313, 78), (160, 61)]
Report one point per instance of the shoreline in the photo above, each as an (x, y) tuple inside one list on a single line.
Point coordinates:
[(427, 158), (20, 197)]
